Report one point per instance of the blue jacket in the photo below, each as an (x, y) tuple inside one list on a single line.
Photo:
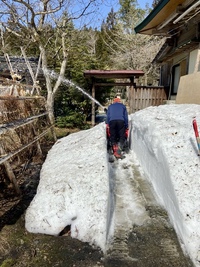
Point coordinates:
[(117, 111)]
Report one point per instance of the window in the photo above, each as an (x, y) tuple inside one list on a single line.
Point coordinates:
[(175, 79)]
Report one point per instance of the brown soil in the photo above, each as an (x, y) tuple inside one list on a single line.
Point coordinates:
[(19, 248)]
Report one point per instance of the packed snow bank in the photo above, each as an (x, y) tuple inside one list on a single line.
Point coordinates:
[(164, 142), (73, 189), (74, 182)]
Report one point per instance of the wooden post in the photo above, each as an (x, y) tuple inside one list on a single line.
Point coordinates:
[(10, 173), (131, 95), (39, 150), (93, 103)]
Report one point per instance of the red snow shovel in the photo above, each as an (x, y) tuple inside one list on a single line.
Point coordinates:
[(197, 135)]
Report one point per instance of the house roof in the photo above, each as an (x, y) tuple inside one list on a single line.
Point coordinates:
[(165, 10), (176, 19), (113, 73), (18, 64), (167, 52)]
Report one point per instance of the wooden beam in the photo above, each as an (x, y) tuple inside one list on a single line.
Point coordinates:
[(12, 154), (10, 173), (115, 84), (5, 127)]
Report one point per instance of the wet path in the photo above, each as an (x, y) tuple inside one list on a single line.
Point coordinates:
[(143, 235)]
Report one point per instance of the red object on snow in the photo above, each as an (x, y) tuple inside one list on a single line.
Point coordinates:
[(195, 128), (196, 134)]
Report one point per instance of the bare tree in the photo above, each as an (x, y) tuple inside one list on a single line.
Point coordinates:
[(40, 22), (129, 50)]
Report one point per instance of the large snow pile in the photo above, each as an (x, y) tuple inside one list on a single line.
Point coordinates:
[(74, 183), (164, 141), (73, 189)]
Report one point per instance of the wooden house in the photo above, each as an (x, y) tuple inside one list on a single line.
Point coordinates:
[(178, 21)]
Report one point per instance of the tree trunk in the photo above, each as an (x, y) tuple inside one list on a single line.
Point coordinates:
[(50, 106), (50, 94), (51, 91)]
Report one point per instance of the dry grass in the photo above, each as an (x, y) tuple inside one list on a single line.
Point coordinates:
[(62, 132), (4, 244)]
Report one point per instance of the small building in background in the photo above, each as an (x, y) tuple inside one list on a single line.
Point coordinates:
[(178, 21)]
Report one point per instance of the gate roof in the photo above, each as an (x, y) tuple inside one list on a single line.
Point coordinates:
[(118, 74)]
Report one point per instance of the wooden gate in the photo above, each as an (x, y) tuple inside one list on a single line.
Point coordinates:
[(141, 97)]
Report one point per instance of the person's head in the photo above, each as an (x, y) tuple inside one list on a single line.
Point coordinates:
[(116, 99)]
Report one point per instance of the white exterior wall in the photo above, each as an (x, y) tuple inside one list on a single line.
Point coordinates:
[(189, 89), (194, 60)]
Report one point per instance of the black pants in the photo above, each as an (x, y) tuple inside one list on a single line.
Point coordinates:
[(117, 132)]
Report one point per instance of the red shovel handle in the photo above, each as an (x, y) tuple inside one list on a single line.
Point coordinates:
[(195, 128)]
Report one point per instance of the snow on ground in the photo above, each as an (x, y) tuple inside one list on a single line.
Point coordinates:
[(75, 190), (164, 141)]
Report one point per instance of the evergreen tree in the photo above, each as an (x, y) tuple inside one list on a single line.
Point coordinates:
[(81, 56)]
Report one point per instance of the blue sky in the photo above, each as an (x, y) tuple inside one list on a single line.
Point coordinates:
[(100, 10), (142, 3)]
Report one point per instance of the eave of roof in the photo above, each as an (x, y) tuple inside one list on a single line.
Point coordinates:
[(161, 12), (170, 52), (113, 73)]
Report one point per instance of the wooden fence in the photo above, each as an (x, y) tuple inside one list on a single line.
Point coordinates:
[(142, 97), (24, 121)]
